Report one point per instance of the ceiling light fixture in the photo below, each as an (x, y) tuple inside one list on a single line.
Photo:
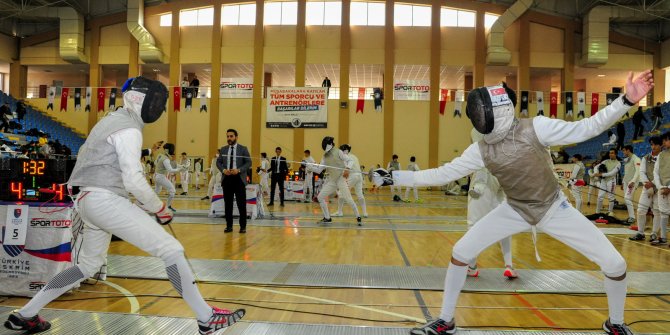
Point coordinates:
[(601, 75)]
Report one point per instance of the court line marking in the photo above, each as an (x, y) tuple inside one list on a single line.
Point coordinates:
[(134, 303), (334, 302), (535, 311)]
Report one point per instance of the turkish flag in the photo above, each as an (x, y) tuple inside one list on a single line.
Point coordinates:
[(553, 104), (101, 99), (65, 92), (443, 99), (360, 104), (594, 103), (176, 92)]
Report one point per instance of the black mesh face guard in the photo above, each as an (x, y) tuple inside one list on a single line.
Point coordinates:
[(480, 111), (169, 148), (327, 140), (345, 147), (156, 95)]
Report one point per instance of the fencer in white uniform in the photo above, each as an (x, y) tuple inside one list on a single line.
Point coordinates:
[(214, 175), (338, 166), (198, 174), (649, 194), (412, 166), (514, 151), (107, 170), (631, 177), (394, 165), (185, 174), (264, 174), (593, 180), (485, 195), (354, 181), (308, 185), (607, 181), (577, 180), (164, 168), (662, 181)]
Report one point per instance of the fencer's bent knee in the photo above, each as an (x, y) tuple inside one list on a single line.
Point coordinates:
[(461, 254), (89, 266), (614, 266), (457, 262)]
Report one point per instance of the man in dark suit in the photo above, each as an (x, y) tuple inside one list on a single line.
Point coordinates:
[(234, 160), (279, 170)]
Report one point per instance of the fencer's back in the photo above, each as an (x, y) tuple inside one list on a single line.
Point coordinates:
[(334, 163), (97, 163), (521, 164)]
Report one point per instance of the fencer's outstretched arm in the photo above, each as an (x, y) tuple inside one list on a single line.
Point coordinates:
[(169, 168), (128, 145), (558, 132), (469, 162), (613, 172), (317, 168)]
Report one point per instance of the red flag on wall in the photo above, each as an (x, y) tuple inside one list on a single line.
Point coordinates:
[(594, 103), (101, 99), (443, 99), (177, 98), (65, 92), (360, 104), (553, 104)]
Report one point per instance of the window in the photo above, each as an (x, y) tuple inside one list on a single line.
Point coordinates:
[(281, 13), (238, 15), (457, 18), (367, 14), (166, 20), (489, 20), (408, 15), (323, 13), (197, 17)]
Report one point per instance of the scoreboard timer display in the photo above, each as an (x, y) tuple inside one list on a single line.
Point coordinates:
[(34, 180)]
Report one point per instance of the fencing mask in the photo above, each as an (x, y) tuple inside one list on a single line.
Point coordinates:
[(146, 97), (327, 143), (491, 112), (346, 148)]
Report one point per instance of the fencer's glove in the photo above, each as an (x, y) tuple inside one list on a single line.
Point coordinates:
[(164, 215), (380, 177)]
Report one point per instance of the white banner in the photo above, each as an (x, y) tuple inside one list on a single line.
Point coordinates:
[(411, 90), (16, 226), (26, 268), (539, 97), (297, 107), (236, 88), (581, 106)]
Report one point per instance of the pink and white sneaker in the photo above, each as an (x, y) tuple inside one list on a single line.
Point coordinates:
[(221, 318), (510, 273), (473, 272)]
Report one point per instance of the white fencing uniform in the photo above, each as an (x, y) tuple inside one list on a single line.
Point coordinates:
[(648, 197), (214, 173), (519, 155), (334, 161), (355, 182), (593, 181), (394, 166), (577, 174), (662, 181), (185, 174), (163, 169), (608, 182), (198, 174), (412, 167), (308, 186), (264, 175), (631, 178)]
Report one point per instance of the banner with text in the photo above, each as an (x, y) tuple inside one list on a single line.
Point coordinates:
[(411, 90), (236, 88), (297, 107)]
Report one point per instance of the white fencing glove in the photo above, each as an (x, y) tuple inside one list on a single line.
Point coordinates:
[(381, 177), (163, 215)]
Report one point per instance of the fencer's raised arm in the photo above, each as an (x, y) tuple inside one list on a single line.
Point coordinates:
[(469, 162), (558, 132), (128, 145)]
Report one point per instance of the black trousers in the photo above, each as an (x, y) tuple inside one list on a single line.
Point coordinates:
[(233, 187), (639, 129), (277, 178)]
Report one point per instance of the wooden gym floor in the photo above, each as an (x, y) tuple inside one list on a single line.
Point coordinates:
[(374, 307)]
